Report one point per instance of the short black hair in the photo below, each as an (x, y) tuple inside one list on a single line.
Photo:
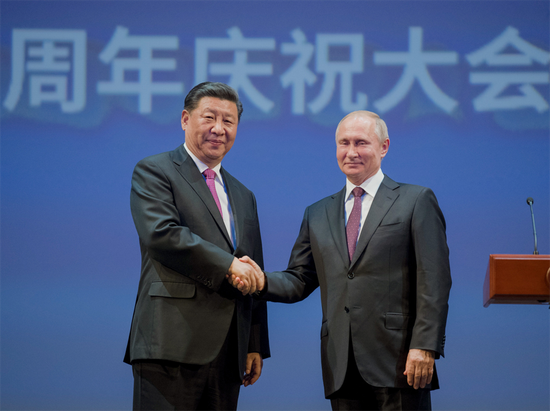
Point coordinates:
[(211, 89)]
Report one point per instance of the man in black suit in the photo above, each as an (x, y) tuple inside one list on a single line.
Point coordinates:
[(378, 251), (194, 339)]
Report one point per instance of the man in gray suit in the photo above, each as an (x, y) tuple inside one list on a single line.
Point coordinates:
[(194, 339), (378, 251)]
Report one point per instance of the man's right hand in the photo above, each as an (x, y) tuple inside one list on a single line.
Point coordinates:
[(260, 276), (243, 276)]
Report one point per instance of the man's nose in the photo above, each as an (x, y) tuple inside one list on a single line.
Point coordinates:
[(218, 128), (352, 151)]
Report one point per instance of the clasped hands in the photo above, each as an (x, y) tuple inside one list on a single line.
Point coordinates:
[(246, 276)]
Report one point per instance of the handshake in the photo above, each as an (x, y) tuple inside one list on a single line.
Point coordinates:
[(246, 276)]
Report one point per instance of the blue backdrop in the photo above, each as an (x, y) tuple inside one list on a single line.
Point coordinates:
[(88, 88)]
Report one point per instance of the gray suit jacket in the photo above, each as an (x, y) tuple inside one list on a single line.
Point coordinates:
[(392, 297), (185, 305)]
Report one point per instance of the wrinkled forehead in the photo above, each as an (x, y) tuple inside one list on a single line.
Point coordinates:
[(359, 123), (215, 103)]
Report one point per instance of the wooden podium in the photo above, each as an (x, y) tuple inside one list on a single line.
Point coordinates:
[(517, 279)]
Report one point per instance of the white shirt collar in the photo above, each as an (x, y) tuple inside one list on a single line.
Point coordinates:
[(370, 185), (201, 166)]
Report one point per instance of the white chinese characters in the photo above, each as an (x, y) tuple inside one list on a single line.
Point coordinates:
[(240, 69), (320, 74), (415, 62), (298, 75), (55, 62), (144, 64), (494, 55)]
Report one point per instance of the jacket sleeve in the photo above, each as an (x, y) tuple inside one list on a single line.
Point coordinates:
[(299, 280), (259, 335), (167, 241), (433, 274)]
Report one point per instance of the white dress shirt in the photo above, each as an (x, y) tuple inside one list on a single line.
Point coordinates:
[(370, 186), (227, 215)]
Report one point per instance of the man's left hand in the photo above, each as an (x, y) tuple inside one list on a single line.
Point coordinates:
[(254, 364), (260, 276), (419, 368)]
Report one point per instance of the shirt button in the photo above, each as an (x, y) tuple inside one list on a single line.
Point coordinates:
[(351, 275)]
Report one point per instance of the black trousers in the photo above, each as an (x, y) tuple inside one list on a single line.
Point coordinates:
[(356, 394), (167, 385)]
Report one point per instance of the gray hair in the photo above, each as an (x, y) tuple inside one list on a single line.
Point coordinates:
[(210, 89), (380, 127)]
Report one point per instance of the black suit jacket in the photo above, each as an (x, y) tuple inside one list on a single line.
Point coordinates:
[(392, 297), (185, 305)]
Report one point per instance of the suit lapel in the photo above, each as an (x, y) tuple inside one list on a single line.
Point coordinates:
[(336, 220), (385, 197), (237, 204), (189, 171)]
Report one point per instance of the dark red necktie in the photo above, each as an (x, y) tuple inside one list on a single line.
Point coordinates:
[(210, 176), (354, 221)]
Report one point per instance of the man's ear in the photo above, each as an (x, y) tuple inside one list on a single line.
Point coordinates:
[(385, 147), (184, 119)]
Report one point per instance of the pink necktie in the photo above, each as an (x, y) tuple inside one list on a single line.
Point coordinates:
[(210, 176), (354, 221)]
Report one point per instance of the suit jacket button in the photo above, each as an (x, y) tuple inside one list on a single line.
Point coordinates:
[(351, 275), (346, 309)]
